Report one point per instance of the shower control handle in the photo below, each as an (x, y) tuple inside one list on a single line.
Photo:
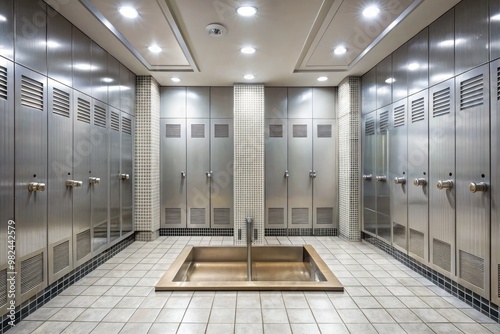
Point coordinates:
[(312, 174), (286, 174), (381, 178), (183, 174), (399, 180), (35, 186), (94, 180), (209, 174), (478, 187), (419, 182), (367, 177), (446, 184), (124, 176), (74, 183)]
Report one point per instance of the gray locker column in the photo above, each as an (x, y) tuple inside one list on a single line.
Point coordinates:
[(381, 175), (198, 169), (126, 175), (473, 179), (31, 181), (442, 177), (398, 174), (82, 151), (114, 169), (221, 161), (61, 180), (368, 162), (418, 164), (495, 182), (7, 29)]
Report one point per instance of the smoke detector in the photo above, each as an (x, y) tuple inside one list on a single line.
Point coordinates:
[(216, 30)]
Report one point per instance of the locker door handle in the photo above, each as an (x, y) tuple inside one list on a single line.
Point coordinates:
[(209, 174), (74, 184), (183, 175), (381, 178), (286, 174), (419, 182), (35, 186), (94, 180), (124, 176), (312, 174), (478, 187), (367, 177), (399, 180), (446, 184)]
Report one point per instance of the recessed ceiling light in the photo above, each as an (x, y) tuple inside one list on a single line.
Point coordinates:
[(175, 79), (249, 76), (371, 11), (247, 50), (246, 10), (413, 66), (3, 18), (128, 12), (390, 80), (322, 78), (155, 49), (340, 50)]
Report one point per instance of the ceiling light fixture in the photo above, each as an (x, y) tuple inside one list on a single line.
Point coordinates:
[(128, 12), (413, 66), (175, 79), (247, 50), (216, 30), (155, 49), (246, 10), (249, 76), (3, 18), (390, 80), (340, 50), (371, 11), (322, 78)]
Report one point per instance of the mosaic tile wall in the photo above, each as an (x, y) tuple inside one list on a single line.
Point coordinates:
[(248, 160), (147, 158), (349, 107)]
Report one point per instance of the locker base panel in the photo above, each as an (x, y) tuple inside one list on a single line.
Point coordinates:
[(229, 232), (285, 232)]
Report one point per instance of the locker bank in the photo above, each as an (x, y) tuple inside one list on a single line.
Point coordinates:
[(130, 130)]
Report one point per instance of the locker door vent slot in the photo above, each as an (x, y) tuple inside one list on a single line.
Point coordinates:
[(324, 215), (222, 216), (441, 102), (173, 216), (82, 244), (221, 130), (100, 117), (370, 127), (115, 121), (417, 110), (61, 257), (324, 131), (399, 235), (3, 287), (172, 130), (498, 83), (3, 84), (472, 269), (197, 216), (31, 273), (417, 243), (441, 254), (276, 216), (83, 111), (384, 121), (197, 130), (300, 216), (126, 125), (276, 130), (300, 131), (60, 103), (31, 93), (471, 92), (399, 115)]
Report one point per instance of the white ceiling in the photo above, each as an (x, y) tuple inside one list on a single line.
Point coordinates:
[(294, 38)]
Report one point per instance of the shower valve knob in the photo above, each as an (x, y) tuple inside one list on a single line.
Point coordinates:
[(286, 174), (124, 176), (381, 178), (478, 187), (74, 184), (399, 180), (367, 177), (35, 186), (447, 184), (419, 182), (183, 175), (94, 180)]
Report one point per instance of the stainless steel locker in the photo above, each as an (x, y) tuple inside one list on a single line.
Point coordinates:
[(275, 102), (324, 173), (300, 103), (300, 168), (221, 102), (7, 29), (418, 168), (82, 152), (199, 173), (99, 61), (126, 100), (59, 48), (114, 82), (442, 48), (61, 180), (368, 165), (173, 102), (473, 179), (126, 175), (398, 174), (173, 173), (114, 170), (276, 169), (324, 102), (197, 102), (418, 62), (442, 177), (399, 77), (369, 91), (381, 174), (494, 42), (31, 182), (384, 84), (221, 167), (495, 182), (82, 62)]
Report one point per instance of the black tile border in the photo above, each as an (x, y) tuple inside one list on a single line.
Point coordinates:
[(477, 302), (197, 232), (41, 298), (289, 232)]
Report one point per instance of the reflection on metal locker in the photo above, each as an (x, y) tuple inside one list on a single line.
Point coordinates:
[(114, 171), (381, 173), (368, 163), (127, 169)]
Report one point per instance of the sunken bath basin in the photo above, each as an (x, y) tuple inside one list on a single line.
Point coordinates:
[(225, 268)]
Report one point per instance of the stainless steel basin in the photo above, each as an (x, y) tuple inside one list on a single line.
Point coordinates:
[(225, 268)]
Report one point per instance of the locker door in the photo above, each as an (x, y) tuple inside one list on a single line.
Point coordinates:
[(114, 170), (398, 174), (369, 153), (31, 181), (126, 176), (199, 173), (495, 183), (442, 177), (418, 162), (173, 172), (300, 178), (276, 173), (473, 179), (221, 161), (324, 174), (82, 151), (60, 177), (381, 174)]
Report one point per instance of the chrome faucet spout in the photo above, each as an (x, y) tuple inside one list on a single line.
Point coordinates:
[(249, 223)]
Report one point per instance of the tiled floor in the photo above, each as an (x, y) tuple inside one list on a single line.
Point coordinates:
[(381, 296)]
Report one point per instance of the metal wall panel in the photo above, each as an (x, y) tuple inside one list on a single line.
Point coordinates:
[(198, 102), (114, 169), (471, 34), (173, 102), (275, 102), (369, 91), (31, 174), (221, 162), (325, 207), (221, 102), (418, 62), (398, 173), (173, 172), (198, 169), (400, 73), (300, 103), (276, 169), (473, 174), (7, 29), (381, 174), (442, 48), (127, 103), (82, 66), (418, 168), (31, 34), (99, 73), (384, 86), (494, 29), (127, 169), (368, 165), (324, 102), (442, 177), (59, 48), (300, 180), (114, 82)]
